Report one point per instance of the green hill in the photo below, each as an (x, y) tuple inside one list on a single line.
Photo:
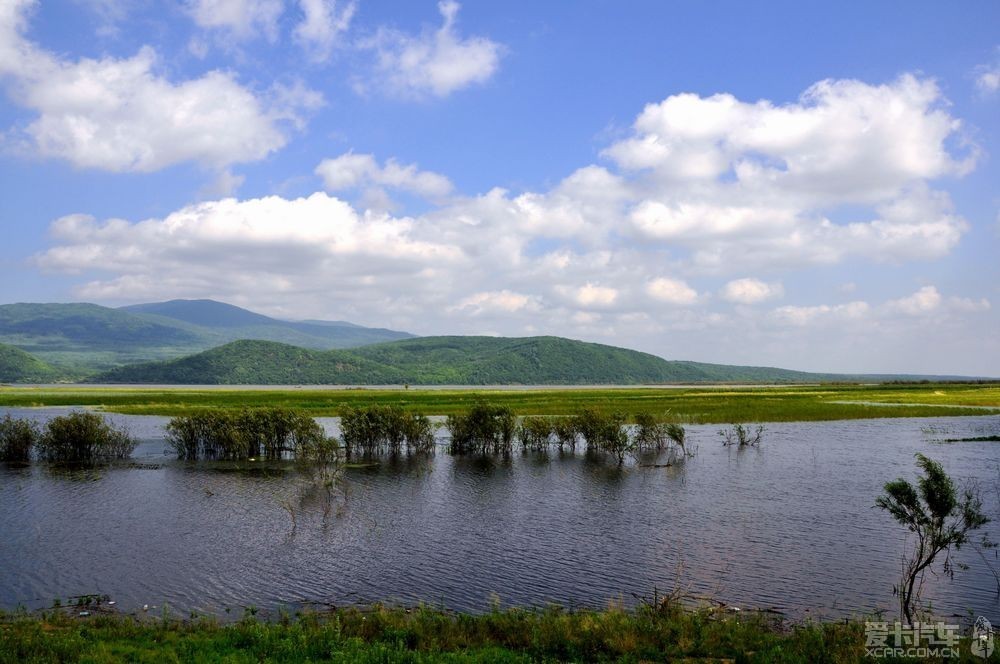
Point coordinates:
[(442, 361), (87, 338), (16, 366)]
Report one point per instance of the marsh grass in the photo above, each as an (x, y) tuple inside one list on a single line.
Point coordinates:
[(423, 634), (692, 405)]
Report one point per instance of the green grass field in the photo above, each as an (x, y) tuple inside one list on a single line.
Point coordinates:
[(692, 405), (429, 635)]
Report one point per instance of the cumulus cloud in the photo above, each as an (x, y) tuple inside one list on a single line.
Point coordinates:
[(322, 25), (243, 19), (751, 291), (925, 300), (744, 184), (121, 115), (615, 252), (671, 291), (436, 62), (362, 171)]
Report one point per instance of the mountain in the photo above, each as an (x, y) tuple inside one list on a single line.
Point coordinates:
[(87, 338), (442, 361), (16, 366), (232, 323)]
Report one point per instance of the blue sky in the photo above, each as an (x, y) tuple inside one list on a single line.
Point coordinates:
[(795, 184)]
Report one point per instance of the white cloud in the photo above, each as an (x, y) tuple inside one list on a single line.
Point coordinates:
[(503, 301), (988, 76), (587, 257), (121, 115), (243, 19), (925, 300), (796, 315), (671, 291), (321, 26), (751, 291), (988, 81), (968, 305), (361, 171), (435, 62), (590, 295), (744, 184), (274, 241)]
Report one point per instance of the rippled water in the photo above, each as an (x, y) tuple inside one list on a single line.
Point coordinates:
[(789, 526)]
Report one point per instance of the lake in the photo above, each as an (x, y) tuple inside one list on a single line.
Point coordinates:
[(789, 526)]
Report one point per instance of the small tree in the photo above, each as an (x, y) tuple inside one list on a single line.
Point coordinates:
[(940, 521), (17, 437)]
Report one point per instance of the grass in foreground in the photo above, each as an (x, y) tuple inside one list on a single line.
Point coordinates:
[(693, 405), (429, 635)]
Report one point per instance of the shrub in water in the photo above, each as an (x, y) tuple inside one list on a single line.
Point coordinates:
[(604, 432), (17, 438), (82, 437), (534, 433), (564, 431), (269, 433), (656, 433), (483, 429), (379, 429), (741, 436)]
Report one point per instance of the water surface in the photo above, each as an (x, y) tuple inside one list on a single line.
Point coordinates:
[(789, 526)]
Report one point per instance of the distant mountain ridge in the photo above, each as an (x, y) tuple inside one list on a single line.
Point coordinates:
[(208, 342), (447, 361), (85, 338)]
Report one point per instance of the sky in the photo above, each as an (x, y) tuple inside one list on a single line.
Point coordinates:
[(796, 184)]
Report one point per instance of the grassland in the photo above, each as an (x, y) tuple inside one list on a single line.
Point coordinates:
[(428, 635), (691, 405)]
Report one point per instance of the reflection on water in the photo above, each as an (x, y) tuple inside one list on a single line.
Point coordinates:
[(790, 525)]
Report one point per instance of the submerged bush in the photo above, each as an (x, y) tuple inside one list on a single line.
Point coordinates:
[(17, 438), (534, 433), (564, 431), (379, 429), (741, 435), (604, 432), (82, 437), (657, 433), (269, 433), (483, 429)]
